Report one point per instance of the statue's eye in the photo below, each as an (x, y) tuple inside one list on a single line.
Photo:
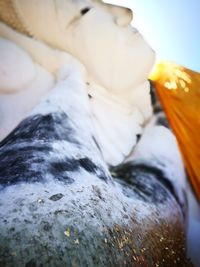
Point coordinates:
[(85, 10)]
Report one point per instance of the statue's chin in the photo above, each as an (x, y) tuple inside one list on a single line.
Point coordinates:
[(131, 69), (119, 64)]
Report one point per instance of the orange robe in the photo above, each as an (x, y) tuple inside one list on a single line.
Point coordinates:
[(178, 89)]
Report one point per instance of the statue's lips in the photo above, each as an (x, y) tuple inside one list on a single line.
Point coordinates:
[(136, 36)]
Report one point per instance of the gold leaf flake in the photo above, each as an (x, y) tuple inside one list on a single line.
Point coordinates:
[(67, 232)]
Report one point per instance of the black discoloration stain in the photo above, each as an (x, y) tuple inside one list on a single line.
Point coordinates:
[(56, 197), (89, 166), (152, 94), (63, 166), (22, 164), (157, 109), (161, 120), (147, 182), (138, 136), (72, 164), (24, 153), (60, 169), (50, 127), (18, 170), (31, 263), (46, 226)]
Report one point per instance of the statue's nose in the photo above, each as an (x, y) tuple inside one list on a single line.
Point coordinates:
[(125, 17), (122, 15)]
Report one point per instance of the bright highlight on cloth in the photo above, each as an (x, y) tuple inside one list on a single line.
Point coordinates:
[(179, 91)]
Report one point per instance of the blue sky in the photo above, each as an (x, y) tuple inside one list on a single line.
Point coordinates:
[(172, 27)]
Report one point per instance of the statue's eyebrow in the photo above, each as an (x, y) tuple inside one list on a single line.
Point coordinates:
[(72, 20)]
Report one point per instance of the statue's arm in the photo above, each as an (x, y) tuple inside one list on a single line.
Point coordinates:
[(17, 70)]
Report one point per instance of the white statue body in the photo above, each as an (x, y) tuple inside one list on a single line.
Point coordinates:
[(117, 61), (116, 58)]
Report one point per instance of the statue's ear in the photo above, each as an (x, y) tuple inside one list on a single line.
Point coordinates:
[(123, 15)]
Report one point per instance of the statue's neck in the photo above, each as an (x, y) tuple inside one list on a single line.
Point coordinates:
[(116, 101)]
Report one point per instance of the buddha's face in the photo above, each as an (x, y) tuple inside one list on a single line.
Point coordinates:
[(100, 36), (115, 54)]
